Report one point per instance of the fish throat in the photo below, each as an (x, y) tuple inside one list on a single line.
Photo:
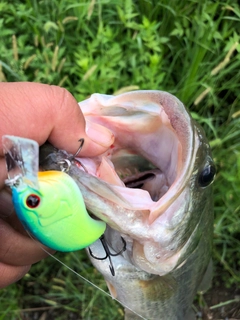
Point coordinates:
[(152, 164), (148, 178)]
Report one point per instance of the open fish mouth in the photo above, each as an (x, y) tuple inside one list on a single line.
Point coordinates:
[(152, 153)]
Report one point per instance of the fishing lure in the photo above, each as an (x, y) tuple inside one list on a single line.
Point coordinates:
[(49, 204)]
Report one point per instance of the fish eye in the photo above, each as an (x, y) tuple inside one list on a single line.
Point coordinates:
[(207, 175), (33, 201)]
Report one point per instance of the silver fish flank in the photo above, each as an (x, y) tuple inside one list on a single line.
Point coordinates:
[(153, 189)]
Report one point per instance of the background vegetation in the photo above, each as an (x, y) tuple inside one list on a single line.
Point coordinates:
[(189, 48)]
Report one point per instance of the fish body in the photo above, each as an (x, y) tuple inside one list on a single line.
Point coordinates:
[(153, 189)]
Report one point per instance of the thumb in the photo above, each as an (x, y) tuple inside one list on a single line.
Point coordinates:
[(42, 112), (70, 126)]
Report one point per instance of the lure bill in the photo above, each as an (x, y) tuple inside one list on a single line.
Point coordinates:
[(49, 204), (22, 161)]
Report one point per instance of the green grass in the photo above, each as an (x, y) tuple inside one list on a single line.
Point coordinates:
[(189, 48)]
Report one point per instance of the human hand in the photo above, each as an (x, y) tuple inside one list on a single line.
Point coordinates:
[(39, 112)]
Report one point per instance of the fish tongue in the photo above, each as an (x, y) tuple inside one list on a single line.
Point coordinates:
[(154, 181)]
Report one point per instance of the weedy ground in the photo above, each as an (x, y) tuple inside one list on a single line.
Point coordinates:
[(189, 48)]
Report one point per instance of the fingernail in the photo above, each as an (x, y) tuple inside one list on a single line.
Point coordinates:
[(99, 134)]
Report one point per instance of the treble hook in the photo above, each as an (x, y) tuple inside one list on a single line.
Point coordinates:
[(65, 164), (109, 254), (78, 150), (80, 147)]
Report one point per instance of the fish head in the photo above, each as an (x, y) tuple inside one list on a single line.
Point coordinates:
[(152, 185)]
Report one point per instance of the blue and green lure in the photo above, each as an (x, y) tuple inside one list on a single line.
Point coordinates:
[(49, 204)]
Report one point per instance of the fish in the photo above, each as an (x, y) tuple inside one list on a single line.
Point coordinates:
[(152, 188)]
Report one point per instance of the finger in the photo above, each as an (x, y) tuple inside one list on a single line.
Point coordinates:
[(42, 112), (17, 249), (10, 274), (6, 205), (3, 172)]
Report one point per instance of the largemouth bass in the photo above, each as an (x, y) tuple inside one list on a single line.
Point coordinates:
[(152, 188)]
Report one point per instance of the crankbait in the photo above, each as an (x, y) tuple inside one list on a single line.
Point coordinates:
[(49, 204)]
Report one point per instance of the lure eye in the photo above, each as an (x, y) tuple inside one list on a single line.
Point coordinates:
[(206, 177), (33, 201)]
